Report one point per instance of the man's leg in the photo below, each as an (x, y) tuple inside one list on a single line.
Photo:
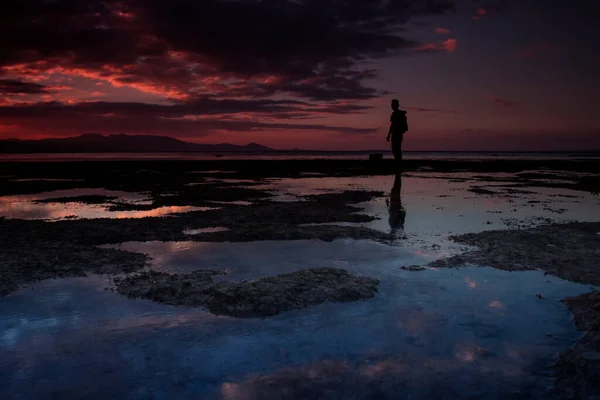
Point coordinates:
[(397, 150)]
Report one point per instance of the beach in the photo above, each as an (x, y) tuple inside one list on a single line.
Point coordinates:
[(259, 278)]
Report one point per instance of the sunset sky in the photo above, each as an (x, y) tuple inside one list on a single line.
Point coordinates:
[(313, 74)]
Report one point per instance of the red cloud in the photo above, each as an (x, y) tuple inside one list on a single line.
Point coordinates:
[(503, 102), (167, 48), (480, 12), (442, 31), (446, 45)]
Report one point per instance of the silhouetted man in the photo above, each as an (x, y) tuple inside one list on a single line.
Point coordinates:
[(398, 127)]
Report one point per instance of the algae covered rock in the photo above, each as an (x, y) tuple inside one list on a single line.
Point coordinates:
[(256, 298)]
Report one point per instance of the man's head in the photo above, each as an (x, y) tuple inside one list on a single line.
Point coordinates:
[(395, 104)]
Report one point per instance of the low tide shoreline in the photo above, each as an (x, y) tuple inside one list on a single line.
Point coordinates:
[(33, 250)]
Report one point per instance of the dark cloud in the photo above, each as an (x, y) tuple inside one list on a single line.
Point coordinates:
[(14, 86), (199, 118), (503, 102), (537, 49), (424, 109), (197, 107), (315, 48)]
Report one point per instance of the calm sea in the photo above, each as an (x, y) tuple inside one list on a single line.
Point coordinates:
[(420, 155)]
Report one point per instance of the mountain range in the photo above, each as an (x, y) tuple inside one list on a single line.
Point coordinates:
[(120, 143)]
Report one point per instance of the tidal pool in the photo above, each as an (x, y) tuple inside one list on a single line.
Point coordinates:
[(28, 207), (438, 333)]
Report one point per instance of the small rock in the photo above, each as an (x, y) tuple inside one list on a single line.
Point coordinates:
[(413, 268), (539, 296)]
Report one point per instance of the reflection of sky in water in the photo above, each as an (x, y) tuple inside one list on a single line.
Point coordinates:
[(464, 329), (233, 203), (205, 230), (128, 197), (46, 180), (435, 334), (26, 207), (436, 208)]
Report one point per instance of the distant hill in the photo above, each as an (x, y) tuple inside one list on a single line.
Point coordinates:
[(121, 143)]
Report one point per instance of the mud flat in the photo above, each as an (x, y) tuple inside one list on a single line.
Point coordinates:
[(570, 251), (161, 176), (32, 250), (262, 297), (24, 263)]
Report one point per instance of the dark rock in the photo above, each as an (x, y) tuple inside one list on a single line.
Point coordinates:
[(578, 369), (413, 268), (257, 298), (569, 251)]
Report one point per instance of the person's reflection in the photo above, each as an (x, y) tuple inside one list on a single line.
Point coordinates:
[(396, 210)]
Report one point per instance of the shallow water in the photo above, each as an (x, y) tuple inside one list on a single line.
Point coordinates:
[(469, 330), (430, 209), (26, 207), (434, 334), (204, 230)]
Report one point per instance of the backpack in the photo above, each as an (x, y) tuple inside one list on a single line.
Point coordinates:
[(401, 121), (404, 122)]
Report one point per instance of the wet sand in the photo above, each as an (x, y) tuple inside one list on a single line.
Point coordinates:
[(162, 176)]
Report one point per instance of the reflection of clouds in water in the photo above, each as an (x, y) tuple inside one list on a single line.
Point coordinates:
[(129, 197), (157, 212), (417, 322), (136, 322), (13, 208), (472, 372), (175, 256), (496, 305), (382, 368), (470, 283), (470, 352), (24, 207)]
